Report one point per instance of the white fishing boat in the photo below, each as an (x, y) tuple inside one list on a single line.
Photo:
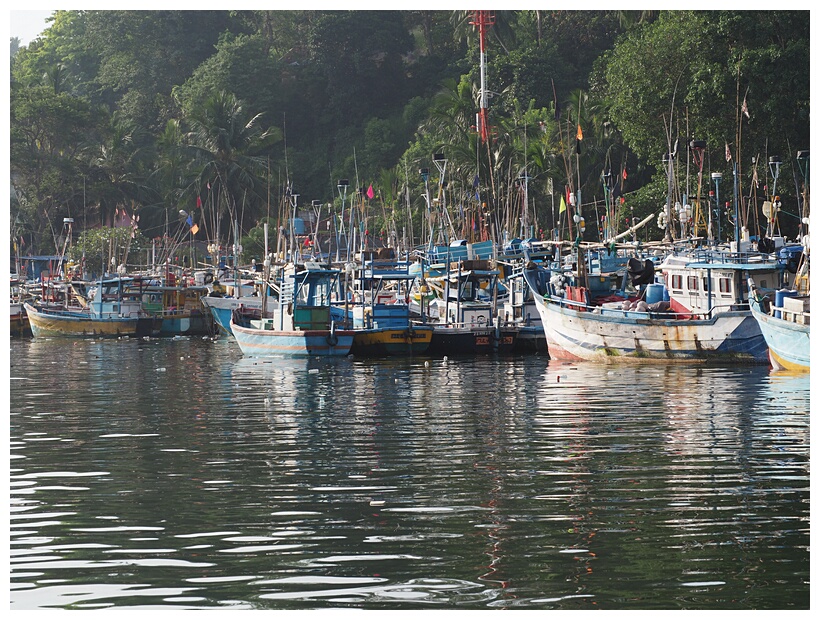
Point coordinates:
[(697, 310)]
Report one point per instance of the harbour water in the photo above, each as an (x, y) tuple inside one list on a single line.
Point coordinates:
[(174, 474)]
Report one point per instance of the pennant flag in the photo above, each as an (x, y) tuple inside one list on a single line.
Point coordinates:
[(194, 229), (190, 221), (370, 192), (563, 206), (199, 202), (728, 153), (744, 108), (624, 174), (580, 135), (755, 180), (475, 181)]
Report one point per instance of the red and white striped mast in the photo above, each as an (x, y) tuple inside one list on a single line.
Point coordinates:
[(482, 21)]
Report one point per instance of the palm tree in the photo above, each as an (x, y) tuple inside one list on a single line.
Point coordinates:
[(113, 171), (228, 147)]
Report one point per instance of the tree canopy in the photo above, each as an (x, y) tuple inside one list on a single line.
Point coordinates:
[(225, 115)]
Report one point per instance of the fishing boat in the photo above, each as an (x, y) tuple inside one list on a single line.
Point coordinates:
[(381, 314), (178, 307), (785, 326), (464, 315), (19, 319), (109, 311), (300, 322), (221, 301), (697, 310), (519, 306), (786, 323)]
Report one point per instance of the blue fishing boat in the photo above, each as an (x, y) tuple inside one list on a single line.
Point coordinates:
[(784, 317), (381, 314), (786, 328), (106, 309), (300, 322)]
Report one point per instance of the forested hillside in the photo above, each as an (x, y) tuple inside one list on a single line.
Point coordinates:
[(226, 116)]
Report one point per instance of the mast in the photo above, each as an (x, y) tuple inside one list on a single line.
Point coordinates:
[(483, 20)]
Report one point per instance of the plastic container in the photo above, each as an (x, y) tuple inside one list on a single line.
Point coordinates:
[(779, 296), (654, 293)]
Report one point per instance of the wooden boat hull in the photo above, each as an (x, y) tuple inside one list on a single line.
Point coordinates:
[(256, 342), (392, 341), (607, 334), (789, 343), (472, 340), (19, 321), (53, 324)]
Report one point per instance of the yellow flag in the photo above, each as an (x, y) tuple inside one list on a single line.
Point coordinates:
[(563, 206)]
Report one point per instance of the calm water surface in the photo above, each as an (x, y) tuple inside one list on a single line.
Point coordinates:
[(174, 474)]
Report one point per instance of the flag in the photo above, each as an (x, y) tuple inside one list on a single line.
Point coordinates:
[(199, 202), (744, 108), (370, 192), (563, 206), (728, 153), (194, 229), (580, 135), (755, 180), (190, 221), (624, 174)]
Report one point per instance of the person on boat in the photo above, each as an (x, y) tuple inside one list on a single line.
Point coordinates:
[(218, 289)]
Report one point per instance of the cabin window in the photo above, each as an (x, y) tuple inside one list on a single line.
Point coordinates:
[(705, 283), (692, 283), (725, 285), (763, 284), (677, 281)]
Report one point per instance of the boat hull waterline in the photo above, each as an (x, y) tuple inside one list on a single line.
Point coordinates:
[(275, 343), (75, 324), (391, 341), (608, 335), (789, 343)]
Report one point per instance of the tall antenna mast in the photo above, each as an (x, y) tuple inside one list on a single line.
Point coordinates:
[(482, 21)]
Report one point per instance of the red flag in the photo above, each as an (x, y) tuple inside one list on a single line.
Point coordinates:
[(624, 174), (370, 192), (199, 202)]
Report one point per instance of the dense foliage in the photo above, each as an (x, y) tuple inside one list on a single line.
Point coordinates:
[(225, 119)]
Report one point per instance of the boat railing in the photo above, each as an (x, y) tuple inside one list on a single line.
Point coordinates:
[(616, 310), (729, 257)]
